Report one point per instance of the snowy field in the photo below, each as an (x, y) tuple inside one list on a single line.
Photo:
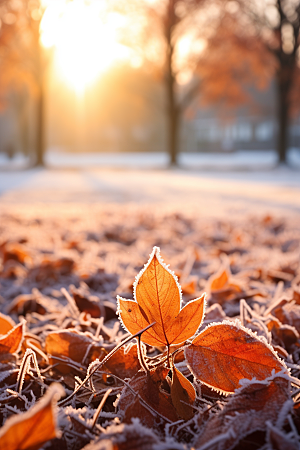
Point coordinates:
[(142, 180), (239, 160)]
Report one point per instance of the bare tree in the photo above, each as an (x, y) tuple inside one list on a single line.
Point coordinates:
[(22, 60), (257, 41), (159, 30)]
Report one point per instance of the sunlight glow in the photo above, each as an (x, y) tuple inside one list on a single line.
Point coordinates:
[(84, 38)]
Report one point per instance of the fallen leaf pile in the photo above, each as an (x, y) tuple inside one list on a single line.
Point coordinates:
[(214, 371)]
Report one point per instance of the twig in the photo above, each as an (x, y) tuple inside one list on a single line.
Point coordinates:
[(101, 404), (141, 355), (101, 363)]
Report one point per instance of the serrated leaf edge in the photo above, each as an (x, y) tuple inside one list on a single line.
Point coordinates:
[(156, 252), (236, 323)]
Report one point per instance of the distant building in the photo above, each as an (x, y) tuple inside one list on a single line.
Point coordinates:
[(250, 127)]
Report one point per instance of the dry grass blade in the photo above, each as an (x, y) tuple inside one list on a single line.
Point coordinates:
[(99, 409)]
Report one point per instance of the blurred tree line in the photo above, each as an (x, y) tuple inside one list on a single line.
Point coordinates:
[(215, 49)]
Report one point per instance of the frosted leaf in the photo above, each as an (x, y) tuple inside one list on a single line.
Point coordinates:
[(247, 410)]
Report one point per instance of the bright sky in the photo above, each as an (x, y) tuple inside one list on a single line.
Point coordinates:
[(84, 38)]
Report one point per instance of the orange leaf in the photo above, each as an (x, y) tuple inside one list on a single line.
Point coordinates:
[(157, 299), (182, 394), (125, 363), (30, 430), (6, 324), (224, 353), (12, 341), (220, 280), (222, 285), (72, 344)]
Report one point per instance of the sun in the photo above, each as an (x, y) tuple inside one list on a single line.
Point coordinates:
[(84, 38)]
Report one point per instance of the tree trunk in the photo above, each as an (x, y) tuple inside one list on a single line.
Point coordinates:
[(40, 101), (173, 123), (282, 118), (40, 125), (172, 111)]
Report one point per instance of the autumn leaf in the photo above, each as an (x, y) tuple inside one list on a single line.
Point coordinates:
[(222, 286), (124, 363), (224, 353), (6, 324), (72, 344), (143, 398), (157, 298), (182, 394), (30, 430), (12, 341), (85, 304), (247, 410)]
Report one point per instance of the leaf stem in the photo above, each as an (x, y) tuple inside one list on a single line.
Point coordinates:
[(101, 363)]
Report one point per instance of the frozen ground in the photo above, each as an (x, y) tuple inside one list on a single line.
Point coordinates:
[(237, 190), (240, 160)]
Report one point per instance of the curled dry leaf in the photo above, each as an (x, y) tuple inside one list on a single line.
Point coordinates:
[(224, 353), (144, 399), (222, 286), (30, 430), (157, 299), (12, 341), (124, 363), (84, 304), (183, 394), (72, 344), (285, 335), (14, 251), (83, 349), (6, 324), (247, 411), (27, 303)]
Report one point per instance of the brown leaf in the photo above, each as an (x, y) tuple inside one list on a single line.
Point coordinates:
[(247, 411), (144, 399), (277, 311), (182, 394), (126, 437), (85, 304), (30, 430), (285, 335), (12, 341), (158, 298), (224, 353), (124, 363), (6, 324), (13, 251), (52, 269), (72, 344), (279, 440), (26, 303)]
